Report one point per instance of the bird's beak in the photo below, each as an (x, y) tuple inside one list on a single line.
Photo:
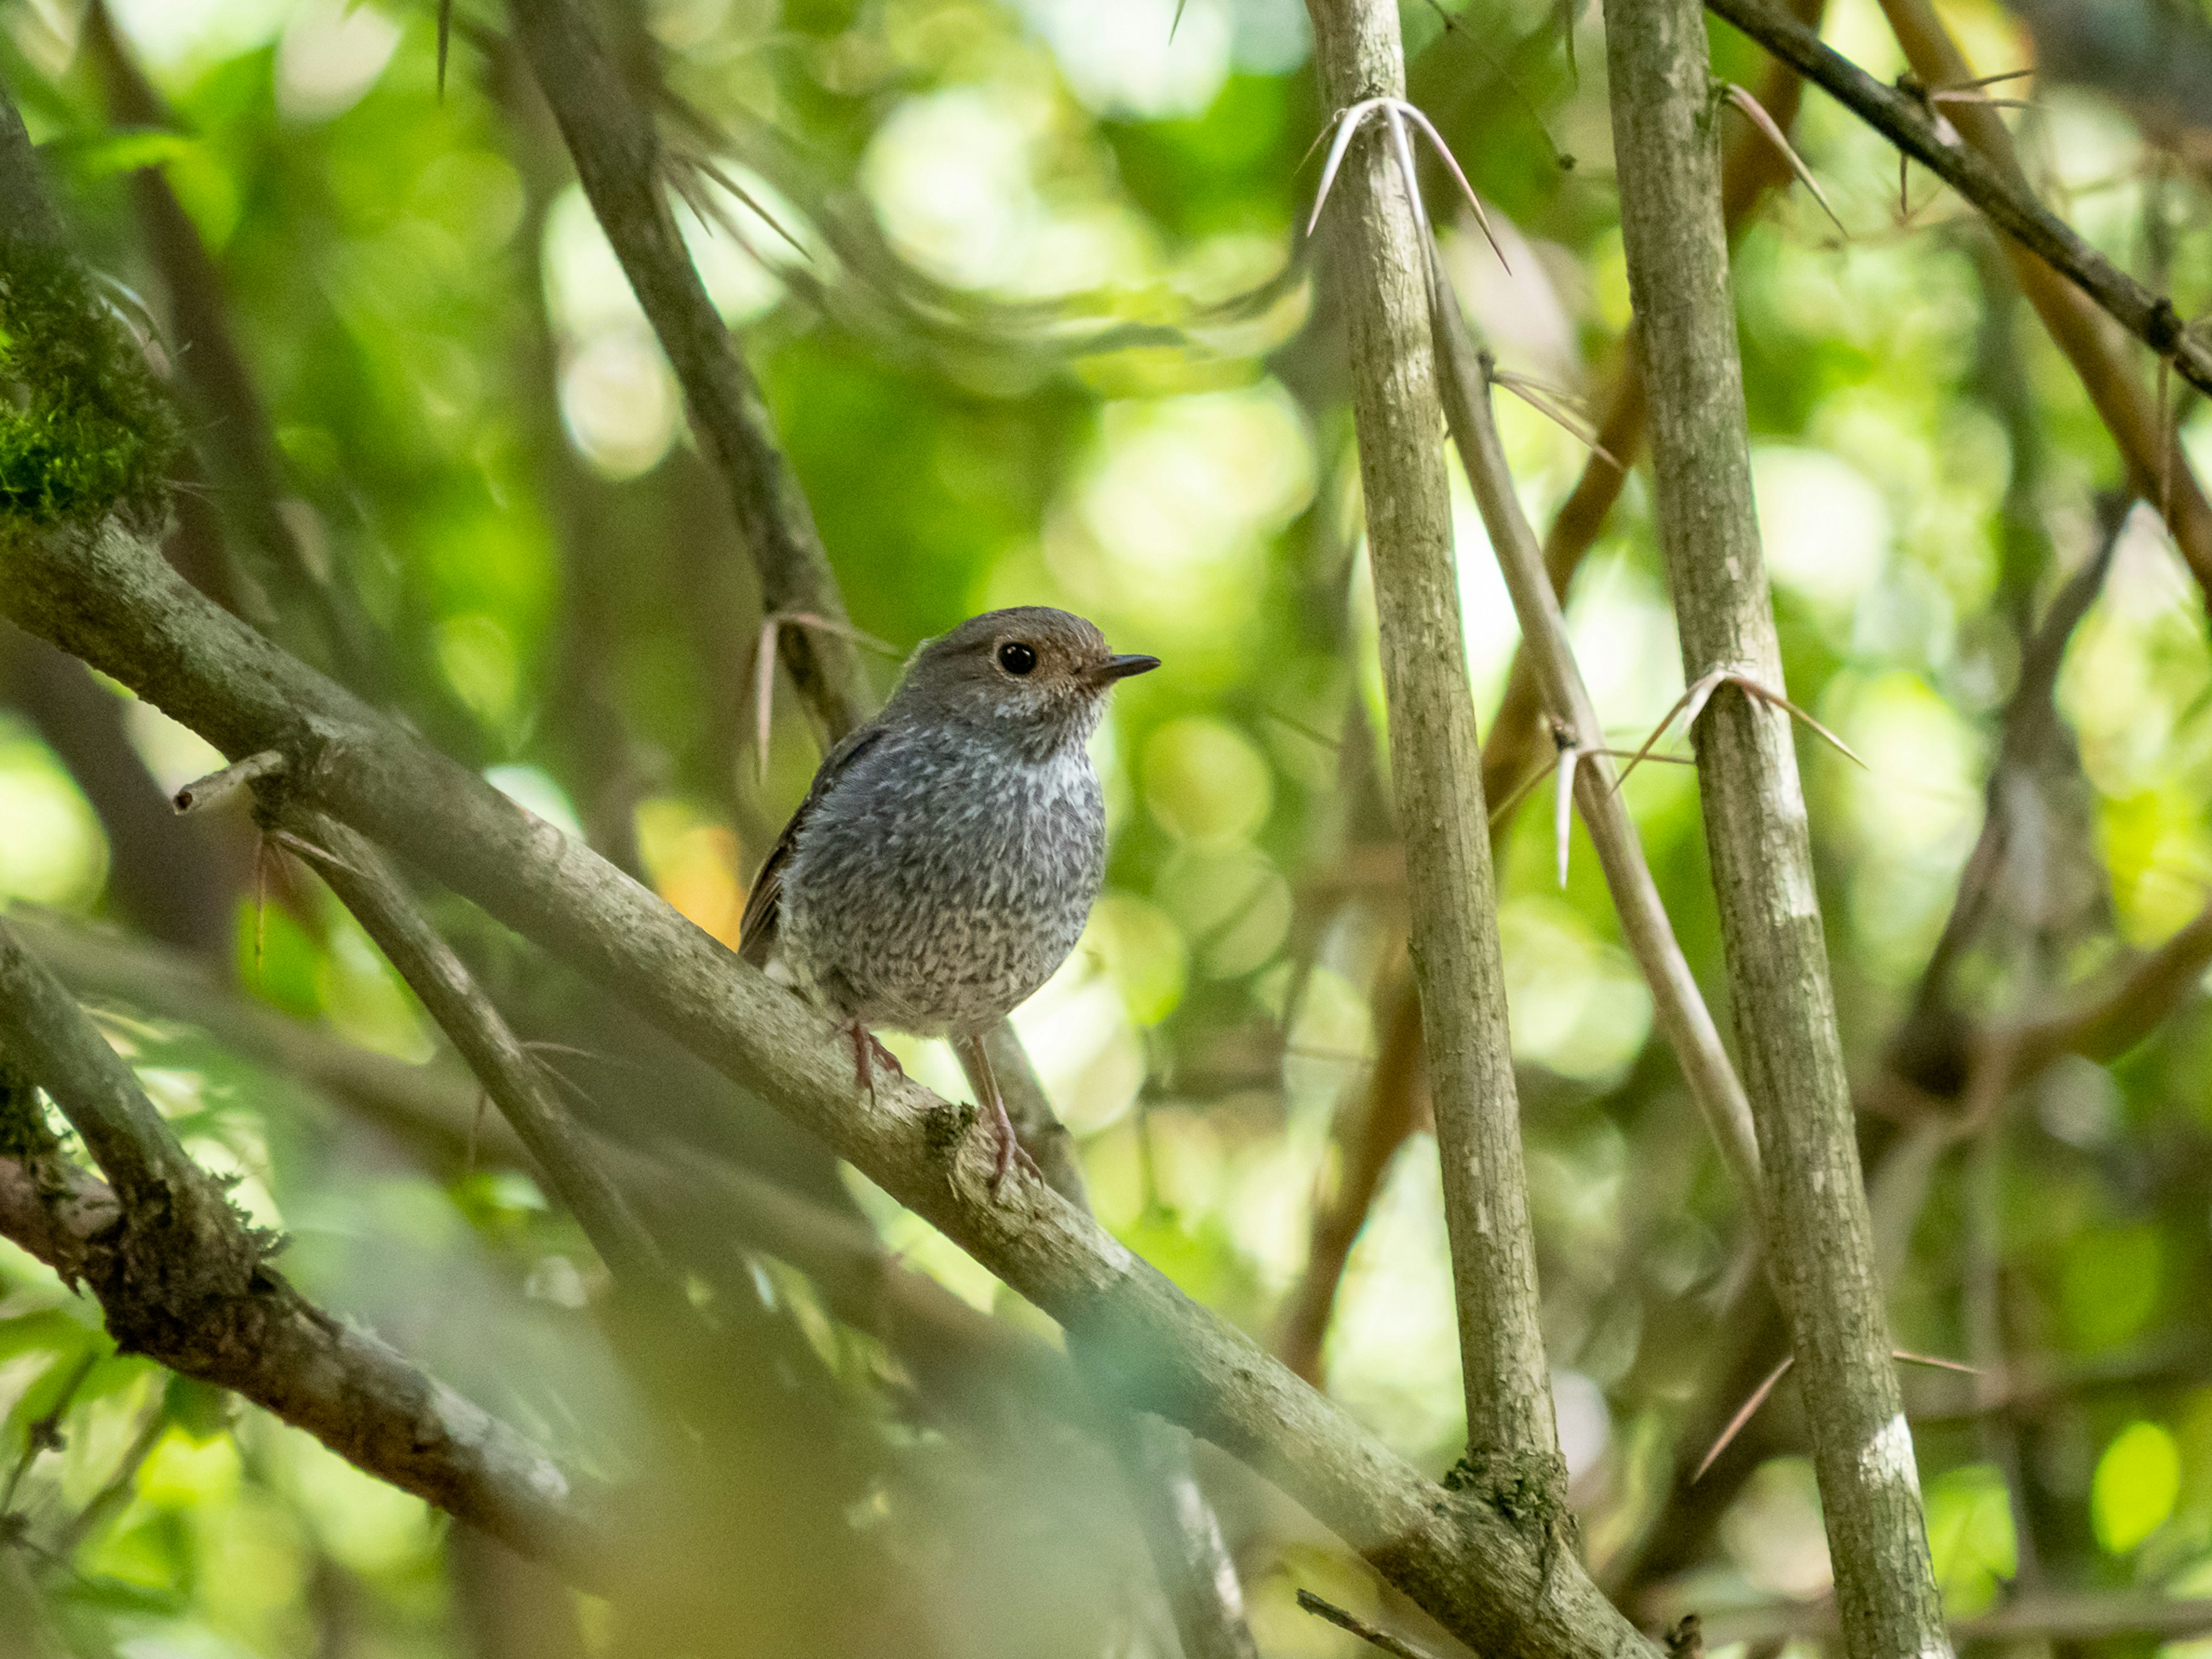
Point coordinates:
[(1119, 668)]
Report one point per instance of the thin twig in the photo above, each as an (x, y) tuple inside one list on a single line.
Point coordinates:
[(1936, 1362), (1907, 124), (765, 661), (2120, 1012), (1677, 1003), (1758, 1397), (219, 785), (43, 1434), (1744, 1414), (1308, 1602), (712, 214), (1546, 401), (2029, 734)]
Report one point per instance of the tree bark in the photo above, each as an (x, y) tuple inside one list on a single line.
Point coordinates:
[(1819, 1244), (1381, 261)]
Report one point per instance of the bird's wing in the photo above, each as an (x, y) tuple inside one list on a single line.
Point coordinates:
[(756, 929)]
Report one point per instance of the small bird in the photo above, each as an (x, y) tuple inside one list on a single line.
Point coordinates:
[(943, 864)]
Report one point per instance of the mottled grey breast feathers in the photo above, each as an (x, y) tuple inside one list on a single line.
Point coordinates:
[(936, 881)]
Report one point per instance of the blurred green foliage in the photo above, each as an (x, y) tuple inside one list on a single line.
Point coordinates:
[(1052, 343)]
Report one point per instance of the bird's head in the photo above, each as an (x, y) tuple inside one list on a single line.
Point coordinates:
[(1038, 675)]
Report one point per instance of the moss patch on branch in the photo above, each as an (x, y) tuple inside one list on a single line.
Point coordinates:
[(85, 428)]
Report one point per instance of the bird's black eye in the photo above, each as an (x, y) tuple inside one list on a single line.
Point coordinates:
[(1016, 657)]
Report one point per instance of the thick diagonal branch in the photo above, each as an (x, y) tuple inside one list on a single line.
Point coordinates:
[(107, 595), (1819, 1241), (1381, 258)]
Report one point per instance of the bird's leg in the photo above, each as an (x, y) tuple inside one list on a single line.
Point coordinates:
[(868, 1055), (991, 1102), (864, 1072)]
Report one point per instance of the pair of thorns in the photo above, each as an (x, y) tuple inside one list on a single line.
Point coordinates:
[(1690, 704), (1398, 116)]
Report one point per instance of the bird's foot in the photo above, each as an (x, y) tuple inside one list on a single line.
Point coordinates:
[(867, 1053), (1011, 1150)]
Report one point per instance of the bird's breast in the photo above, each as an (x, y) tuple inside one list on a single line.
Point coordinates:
[(944, 886)]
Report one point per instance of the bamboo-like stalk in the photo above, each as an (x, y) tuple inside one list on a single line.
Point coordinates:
[(1819, 1234), (1381, 258)]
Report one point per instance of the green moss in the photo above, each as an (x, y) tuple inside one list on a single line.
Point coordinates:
[(85, 428)]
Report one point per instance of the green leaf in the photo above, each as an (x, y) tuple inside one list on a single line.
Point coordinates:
[(1970, 1535), (2138, 1480)]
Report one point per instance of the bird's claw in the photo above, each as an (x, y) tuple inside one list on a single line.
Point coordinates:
[(867, 1052), (1010, 1151)]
